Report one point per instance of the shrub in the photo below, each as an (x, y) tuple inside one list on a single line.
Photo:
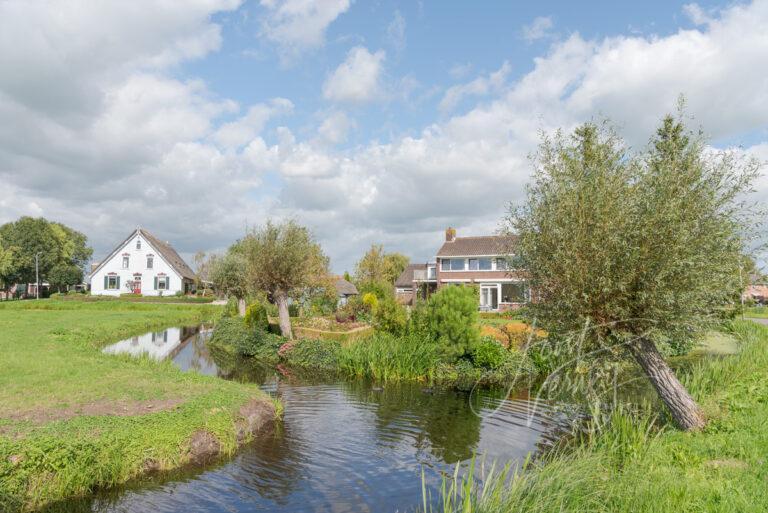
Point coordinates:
[(318, 354), (293, 310), (380, 289), (452, 320), (233, 334), (256, 317), (370, 301), (488, 353), (389, 316)]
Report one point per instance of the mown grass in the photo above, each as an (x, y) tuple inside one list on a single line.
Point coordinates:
[(632, 466), (52, 366), (759, 312)]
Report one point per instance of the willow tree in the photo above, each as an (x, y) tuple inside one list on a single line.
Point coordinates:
[(283, 259), (630, 253)]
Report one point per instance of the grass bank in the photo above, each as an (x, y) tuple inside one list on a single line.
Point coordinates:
[(73, 419), (760, 312), (634, 466)]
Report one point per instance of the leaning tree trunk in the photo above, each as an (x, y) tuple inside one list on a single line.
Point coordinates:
[(284, 317), (684, 410), (241, 306)]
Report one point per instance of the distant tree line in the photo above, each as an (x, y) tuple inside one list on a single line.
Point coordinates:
[(62, 253)]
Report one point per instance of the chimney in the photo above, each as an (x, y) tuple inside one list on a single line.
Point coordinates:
[(450, 234)]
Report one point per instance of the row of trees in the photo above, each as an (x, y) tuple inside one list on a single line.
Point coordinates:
[(62, 253)]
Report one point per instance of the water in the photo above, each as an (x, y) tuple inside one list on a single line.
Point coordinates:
[(343, 446)]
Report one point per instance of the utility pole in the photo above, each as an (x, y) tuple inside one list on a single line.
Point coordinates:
[(37, 277)]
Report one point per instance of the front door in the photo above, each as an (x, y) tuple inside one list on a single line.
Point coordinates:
[(489, 297), (137, 284)]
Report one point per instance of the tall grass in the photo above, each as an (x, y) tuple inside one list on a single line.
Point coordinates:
[(632, 465), (386, 357)]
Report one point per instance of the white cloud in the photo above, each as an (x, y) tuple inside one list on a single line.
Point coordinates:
[(357, 79), (335, 127), (538, 29), (243, 130), (396, 32), (481, 86), (300, 25)]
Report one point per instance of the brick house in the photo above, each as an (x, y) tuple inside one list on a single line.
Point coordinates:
[(479, 261)]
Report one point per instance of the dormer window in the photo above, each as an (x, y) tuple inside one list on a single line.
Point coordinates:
[(138, 243), (126, 261), (150, 261)]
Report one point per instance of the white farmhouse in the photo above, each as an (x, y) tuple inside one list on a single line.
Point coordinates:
[(142, 264)]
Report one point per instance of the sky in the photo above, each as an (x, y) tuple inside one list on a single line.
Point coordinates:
[(368, 121)]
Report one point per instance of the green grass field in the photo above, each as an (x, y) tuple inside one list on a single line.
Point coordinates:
[(72, 418), (635, 467), (760, 312)]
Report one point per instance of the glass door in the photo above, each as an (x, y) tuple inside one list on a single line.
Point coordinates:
[(489, 297)]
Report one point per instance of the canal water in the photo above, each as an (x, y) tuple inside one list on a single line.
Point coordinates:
[(343, 446)]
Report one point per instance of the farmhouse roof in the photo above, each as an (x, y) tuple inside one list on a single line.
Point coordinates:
[(165, 250)]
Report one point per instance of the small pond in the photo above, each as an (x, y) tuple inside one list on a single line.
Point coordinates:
[(343, 446)]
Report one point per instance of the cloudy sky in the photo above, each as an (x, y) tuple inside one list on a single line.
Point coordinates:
[(369, 121)]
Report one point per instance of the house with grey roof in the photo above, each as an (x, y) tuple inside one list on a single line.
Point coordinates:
[(142, 264), (344, 290), (479, 261)]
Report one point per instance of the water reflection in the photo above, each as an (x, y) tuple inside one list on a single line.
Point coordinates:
[(342, 446)]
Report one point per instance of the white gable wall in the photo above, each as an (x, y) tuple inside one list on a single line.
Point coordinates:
[(137, 264)]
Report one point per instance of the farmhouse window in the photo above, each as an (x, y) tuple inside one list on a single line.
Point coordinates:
[(150, 261), (126, 261), (112, 282), (138, 243), (161, 282)]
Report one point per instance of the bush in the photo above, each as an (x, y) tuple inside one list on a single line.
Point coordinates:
[(293, 310), (256, 317), (317, 354), (488, 353), (231, 333), (452, 320), (389, 316), (370, 301), (380, 289)]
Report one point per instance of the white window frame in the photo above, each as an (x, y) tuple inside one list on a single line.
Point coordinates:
[(110, 279), (163, 283), (126, 261), (150, 261), (138, 244)]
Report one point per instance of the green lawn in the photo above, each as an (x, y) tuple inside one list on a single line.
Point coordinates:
[(633, 468), (760, 312), (72, 418)]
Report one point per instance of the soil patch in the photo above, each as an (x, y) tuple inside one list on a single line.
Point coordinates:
[(119, 408), (254, 416), (203, 447)]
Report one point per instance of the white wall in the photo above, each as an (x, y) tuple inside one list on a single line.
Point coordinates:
[(137, 264)]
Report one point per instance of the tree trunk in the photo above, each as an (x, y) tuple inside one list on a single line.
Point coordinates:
[(282, 310), (684, 410), (241, 307)]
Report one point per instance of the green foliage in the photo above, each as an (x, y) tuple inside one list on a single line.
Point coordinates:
[(488, 353), (390, 316), (228, 273), (380, 289), (605, 244), (317, 354), (63, 252), (452, 320), (384, 356), (256, 317), (230, 309), (370, 300), (232, 333), (378, 267)]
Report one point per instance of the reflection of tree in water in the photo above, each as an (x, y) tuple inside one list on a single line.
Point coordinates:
[(444, 422)]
